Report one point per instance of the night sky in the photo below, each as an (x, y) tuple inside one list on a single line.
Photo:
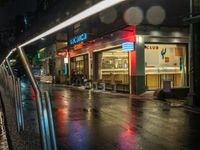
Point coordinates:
[(11, 8)]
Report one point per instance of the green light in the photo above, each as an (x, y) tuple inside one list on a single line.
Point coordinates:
[(38, 55)]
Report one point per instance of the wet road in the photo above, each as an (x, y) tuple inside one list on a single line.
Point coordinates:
[(86, 120)]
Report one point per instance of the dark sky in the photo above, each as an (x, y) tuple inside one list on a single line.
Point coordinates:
[(15, 7)]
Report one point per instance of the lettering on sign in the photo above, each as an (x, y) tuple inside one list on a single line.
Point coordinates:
[(78, 46), (148, 47), (78, 38), (128, 46)]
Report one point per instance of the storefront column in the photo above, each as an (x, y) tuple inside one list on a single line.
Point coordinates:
[(191, 72), (90, 62), (195, 66), (137, 68)]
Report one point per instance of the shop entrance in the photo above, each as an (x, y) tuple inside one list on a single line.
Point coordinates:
[(79, 69)]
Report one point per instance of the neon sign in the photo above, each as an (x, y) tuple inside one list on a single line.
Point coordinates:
[(78, 38), (78, 46), (128, 46)]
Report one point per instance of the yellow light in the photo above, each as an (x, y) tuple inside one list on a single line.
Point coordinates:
[(41, 50)]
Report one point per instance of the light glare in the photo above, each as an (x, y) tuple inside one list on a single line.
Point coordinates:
[(82, 15)]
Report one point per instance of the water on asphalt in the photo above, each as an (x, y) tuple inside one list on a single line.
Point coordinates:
[(87, 120)]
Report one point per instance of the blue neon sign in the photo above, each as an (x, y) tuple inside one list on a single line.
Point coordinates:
[(128, 46), (78, 38)]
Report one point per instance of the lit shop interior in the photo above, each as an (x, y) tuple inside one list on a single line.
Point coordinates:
[(113, 66), (165, 62), (80, 65)]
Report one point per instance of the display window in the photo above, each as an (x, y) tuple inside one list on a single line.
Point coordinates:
[(113, 66), (165, 62)]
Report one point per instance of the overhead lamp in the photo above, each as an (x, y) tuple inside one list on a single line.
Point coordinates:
[(10, 53), (80, 16)]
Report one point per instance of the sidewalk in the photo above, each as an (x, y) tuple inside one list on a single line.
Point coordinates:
[(3, 137), (147, 95), (29, 138)]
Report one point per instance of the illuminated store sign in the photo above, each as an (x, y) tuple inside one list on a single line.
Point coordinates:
[(128, 46), (61, 53), (78, 46), (66, 60), (78, 38)]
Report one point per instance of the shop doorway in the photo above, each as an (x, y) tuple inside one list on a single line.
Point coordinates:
[(79, 69)]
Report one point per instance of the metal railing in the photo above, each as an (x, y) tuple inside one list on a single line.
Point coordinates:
[(45, 119), (12, 88)]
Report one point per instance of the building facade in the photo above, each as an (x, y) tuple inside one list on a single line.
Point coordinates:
[(134, 59)]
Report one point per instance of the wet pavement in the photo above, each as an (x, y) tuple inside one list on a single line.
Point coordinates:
[(87, 120)]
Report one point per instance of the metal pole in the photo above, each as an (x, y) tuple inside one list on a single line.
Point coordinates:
[(20, 105), (15, 99), (45, 143), (17, 107), (50, 121)]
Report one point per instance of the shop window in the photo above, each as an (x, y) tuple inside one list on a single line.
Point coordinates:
[(113, 66), (165, 62)]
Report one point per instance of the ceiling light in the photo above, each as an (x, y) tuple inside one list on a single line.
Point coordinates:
[(80, 16)]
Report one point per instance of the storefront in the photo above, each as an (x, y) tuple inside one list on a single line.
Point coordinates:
[(45, 56), (165, 62), (104, 59), (133, 63), (112, 66)]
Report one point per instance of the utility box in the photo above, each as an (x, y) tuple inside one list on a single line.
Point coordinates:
[(167, 85)]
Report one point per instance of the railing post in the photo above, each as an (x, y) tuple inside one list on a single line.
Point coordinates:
[(50, 121), (16, 96), (5, 76), (20, 104), (45, 143)]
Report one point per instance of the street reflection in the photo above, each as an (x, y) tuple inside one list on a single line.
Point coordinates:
[(127, 136), (78, 136), (87, 120), (61, 121), (69, 115)]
